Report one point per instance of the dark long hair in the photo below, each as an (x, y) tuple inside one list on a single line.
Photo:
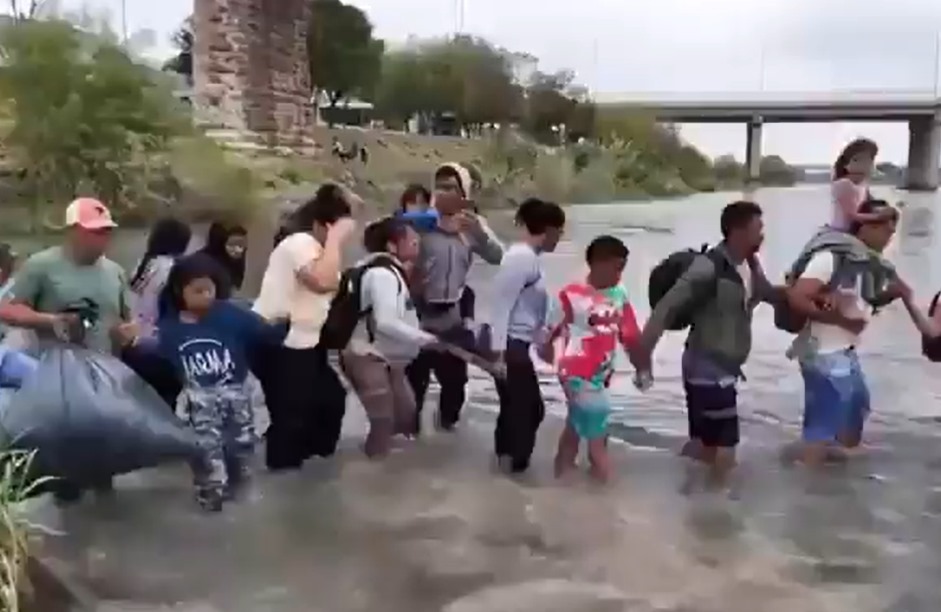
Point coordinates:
[(854, 148), (219, 233), (168, 236), (192, 266)]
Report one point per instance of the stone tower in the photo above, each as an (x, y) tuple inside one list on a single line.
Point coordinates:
[(250, 67)]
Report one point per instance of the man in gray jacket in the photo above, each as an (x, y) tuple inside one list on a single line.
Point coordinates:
[(440, 287), (724, 285)]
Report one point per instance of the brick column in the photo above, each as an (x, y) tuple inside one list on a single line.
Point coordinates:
[(250, 67)]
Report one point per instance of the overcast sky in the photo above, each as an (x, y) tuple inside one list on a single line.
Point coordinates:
[(619, 47)]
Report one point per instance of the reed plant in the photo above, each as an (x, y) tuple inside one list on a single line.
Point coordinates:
[(17, 533)]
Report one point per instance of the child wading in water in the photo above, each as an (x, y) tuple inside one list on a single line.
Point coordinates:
[(208, 340), (596, 318)]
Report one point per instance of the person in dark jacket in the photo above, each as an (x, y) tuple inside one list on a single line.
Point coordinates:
[(226, 244), (442, 297)]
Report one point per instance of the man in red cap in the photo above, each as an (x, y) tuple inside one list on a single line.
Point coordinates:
[(75, 273)]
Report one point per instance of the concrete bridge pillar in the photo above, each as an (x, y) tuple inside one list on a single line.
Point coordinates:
[(924, 153), (753, 152)]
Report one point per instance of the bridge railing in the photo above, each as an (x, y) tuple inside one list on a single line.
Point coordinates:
[(870, 96)]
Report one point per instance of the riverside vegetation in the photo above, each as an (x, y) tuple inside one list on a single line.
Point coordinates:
[(80, 114)]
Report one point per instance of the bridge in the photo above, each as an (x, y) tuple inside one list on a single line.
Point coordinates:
[(920, 108)]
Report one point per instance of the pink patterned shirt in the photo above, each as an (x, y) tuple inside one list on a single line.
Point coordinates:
[(594, 323)]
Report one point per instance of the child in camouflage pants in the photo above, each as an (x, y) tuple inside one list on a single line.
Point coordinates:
[(209, 341)]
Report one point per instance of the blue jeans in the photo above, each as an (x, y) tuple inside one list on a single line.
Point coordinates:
[(836, 397)]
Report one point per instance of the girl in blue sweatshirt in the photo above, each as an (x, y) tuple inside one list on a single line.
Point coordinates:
[(208, 342)]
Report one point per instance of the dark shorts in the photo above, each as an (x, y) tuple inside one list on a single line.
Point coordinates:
[(711, 402)]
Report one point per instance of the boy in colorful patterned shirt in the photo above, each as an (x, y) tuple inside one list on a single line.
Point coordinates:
[(597, 318)]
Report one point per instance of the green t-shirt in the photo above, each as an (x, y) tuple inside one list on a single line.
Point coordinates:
[(50, 281)]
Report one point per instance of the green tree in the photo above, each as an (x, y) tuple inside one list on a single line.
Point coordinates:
[(84, 117), (482, 82), (182, 62), (463, 77), (401, 92), (344, 57), (548, 106), (728, 171), (695, 168), (773, 170)]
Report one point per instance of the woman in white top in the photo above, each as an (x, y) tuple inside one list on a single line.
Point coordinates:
[(387, 338), (304, 395), (850, 187)]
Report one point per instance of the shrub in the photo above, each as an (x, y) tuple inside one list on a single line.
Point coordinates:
[(15, 529)]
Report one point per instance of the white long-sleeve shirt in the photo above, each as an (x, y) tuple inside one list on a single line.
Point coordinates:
[(396, 335), (519, 302)]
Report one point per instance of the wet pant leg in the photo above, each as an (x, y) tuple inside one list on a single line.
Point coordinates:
[(239, 435), (206, 408), (306, 409), (328, 400), (386, 396), (263, 362), (836, 397), (451, 373), (419, 377), (285, 376), (521, 407)]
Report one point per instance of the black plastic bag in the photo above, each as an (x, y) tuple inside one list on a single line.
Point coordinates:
[(88, 417)]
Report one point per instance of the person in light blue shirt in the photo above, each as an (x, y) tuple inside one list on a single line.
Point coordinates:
[(15, 366), (518, 314)]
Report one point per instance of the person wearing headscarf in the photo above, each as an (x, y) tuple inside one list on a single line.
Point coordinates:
[(227, 244)]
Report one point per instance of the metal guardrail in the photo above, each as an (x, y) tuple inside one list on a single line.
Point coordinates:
[(738, 98)]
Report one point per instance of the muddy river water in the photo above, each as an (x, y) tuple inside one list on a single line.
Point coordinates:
[(433, 529)]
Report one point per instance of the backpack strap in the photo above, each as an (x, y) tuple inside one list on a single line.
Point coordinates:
[(839, 268), (721, 264), (390, 264)]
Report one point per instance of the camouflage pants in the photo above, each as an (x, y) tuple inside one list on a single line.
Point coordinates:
[(224, 419)]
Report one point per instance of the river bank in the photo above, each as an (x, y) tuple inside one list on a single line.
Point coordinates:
[(240, 177)]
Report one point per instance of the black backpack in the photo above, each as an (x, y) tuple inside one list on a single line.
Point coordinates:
[(931, 347), (346, 309), (667, 272)]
